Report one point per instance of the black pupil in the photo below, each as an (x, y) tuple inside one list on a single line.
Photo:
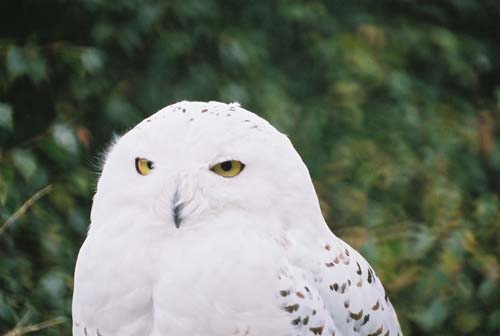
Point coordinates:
[(150, 164), (226, 165)]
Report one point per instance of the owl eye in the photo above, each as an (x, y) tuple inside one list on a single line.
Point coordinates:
[(229, 168), (143, 166)]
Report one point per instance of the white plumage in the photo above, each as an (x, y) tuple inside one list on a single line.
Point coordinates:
[(183, 251)]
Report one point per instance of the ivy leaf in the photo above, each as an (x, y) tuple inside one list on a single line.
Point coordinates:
[(6, 120)]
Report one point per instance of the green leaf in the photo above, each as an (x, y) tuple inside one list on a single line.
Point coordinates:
[(53, 286), (25, 163), (6, 120), (37, 68), (468, 321), (433, 316), (16, 61), (91, 60), (65, 138)]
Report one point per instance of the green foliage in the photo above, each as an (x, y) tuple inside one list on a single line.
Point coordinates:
[(394, 105)]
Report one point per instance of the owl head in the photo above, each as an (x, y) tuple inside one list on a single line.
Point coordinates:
[(193, 162)]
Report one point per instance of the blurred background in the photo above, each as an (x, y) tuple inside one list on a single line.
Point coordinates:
[(393, 104)]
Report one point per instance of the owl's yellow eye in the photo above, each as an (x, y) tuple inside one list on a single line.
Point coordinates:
[(143, 166), (229, 168)]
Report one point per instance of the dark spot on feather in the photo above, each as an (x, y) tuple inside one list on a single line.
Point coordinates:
[(292, 308), (284, 292), (376, 306), (314, 312), (330, 264), (356, 316), (305, 320), (365, 319), (307, 289), (346, 303), (327, 247), (317, 330), (296, 321), (377, 332), (204, 110), (336, 286), (359, 269), (300, 295), (346, 252)]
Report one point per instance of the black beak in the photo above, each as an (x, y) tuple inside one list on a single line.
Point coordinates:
[(176, 213), (177, 206)]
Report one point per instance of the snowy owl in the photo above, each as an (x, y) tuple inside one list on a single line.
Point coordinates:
[(205, 222)]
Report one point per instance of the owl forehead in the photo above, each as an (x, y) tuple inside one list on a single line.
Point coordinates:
[(199, 127)]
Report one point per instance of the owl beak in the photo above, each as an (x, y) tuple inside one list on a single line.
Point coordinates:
[(177, 206), (176, 214)]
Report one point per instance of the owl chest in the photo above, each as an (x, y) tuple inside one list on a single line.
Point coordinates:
[(220, 289), (223, 285)]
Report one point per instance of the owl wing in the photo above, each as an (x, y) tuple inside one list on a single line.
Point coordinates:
[(307, 310), (341, 296)]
